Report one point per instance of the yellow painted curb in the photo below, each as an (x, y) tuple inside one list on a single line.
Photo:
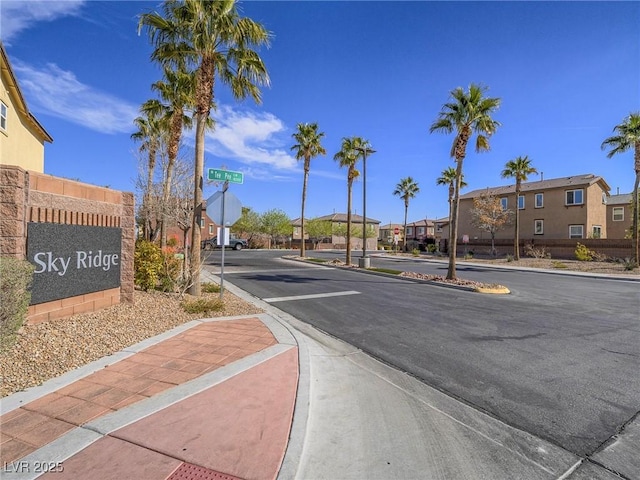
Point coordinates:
[(493, 290)]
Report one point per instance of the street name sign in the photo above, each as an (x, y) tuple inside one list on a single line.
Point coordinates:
[(225, 176)]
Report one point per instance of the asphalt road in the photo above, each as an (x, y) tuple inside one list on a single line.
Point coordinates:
[(559, 357)]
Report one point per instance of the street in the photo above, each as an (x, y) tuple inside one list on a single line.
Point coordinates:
[(557, 358)]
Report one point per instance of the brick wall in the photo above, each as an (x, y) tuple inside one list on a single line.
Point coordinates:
[(27, 196)]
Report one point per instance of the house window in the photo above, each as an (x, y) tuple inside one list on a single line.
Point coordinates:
[(596, 231), (539, 200), (576, 231), (574, 197), (420, 230), (409, 231), (538, 227), (504, 202), (520, 202), (211, 228), (604, 198), (201, 222), (438, 227), (3, 116), (618, 214)]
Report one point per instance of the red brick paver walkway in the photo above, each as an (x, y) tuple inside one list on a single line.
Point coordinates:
[(181, 358)]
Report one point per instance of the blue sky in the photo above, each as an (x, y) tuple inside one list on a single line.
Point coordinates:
[(567, 73)]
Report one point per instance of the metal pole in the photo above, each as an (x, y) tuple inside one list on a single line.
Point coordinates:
[(225, 187), (364, 203)]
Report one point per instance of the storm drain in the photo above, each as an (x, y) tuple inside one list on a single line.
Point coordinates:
[(187, 471)]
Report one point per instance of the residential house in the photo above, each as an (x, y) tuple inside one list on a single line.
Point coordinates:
[(386, 233), (559, 208), (22, 138), (619, 215), (420, 231), (338, 240)]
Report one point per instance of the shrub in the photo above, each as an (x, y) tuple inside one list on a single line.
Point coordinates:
[(431, 248), (171, 271), (583, 254), (531, 251), (415, 252), (148, 264), (15, 279), (557, 264), (510, 258), (210, 287), (629, 264), (202, 305)]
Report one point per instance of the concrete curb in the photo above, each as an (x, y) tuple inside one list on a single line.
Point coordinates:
[(500, 290)]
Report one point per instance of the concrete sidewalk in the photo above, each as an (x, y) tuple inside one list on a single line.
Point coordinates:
[(265, 397)]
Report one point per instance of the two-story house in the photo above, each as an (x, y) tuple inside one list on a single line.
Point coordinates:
[(568, 207), (619, 215), (22, 138)]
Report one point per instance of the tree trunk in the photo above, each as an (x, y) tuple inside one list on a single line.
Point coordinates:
[(349, 184), (516, 240), (304, 199), (451, 272), (635, 235), (404, 236), (460, 149)]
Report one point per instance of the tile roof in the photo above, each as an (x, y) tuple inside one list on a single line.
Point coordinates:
[(575, 180)]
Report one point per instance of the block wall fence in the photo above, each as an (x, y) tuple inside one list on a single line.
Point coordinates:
[(27, 196)]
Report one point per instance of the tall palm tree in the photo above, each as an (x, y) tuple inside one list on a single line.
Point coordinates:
[(211, 39), (348, 157), (627, 136), (448, 177), (406, 189), (308, 147), (149, 134), (466, 113), (519, 168), (176, 100)]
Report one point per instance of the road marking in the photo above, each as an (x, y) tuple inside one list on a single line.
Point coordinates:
[(306, 297)]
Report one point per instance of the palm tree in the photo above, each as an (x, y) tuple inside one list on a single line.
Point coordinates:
[(308, 146), (406, 189), (211, 39), (627, 136), (149, 134), (176, 94), (466, 113), (348, 157), (449, 178), (519, 168)]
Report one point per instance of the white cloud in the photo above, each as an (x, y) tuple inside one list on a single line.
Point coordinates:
[(249, 137), (16, 16), (60, 94)]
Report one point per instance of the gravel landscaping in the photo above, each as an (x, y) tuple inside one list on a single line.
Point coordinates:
[(49, 349)]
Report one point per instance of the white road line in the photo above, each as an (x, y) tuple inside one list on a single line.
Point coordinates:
[(306, 297)]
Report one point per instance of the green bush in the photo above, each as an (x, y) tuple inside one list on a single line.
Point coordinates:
[(209, 287), (202, 305), (415, 252), (431, 248), (15, 279), (583, 254), (148, 265)]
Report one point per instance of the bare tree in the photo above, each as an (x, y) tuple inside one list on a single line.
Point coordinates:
[(489, 216)]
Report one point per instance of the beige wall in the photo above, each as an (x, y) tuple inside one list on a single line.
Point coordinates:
[(556, 216), (22, 143), (618, 229)]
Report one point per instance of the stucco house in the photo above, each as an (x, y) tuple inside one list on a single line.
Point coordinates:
[(559, 208), (22, 138), (619, 215)]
